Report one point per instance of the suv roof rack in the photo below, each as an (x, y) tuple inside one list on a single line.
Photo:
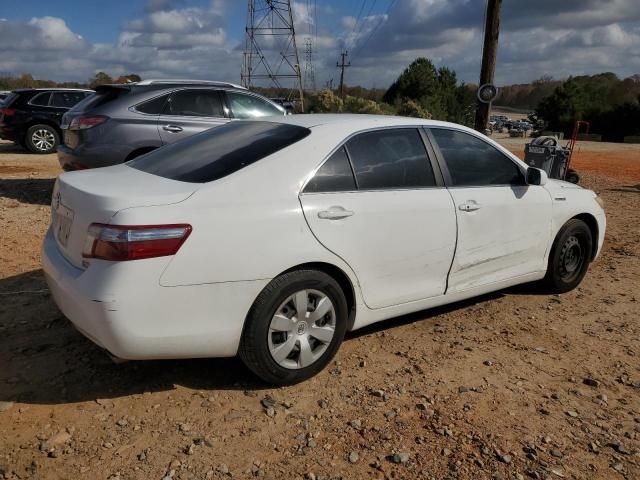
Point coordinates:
[(188, 82)]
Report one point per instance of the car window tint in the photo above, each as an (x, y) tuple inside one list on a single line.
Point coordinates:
[(220, 151), (153, 106), (41, 99), (392, 158), (334, 175), (66, 99), (195, 103), (250, 106), (474, 162)]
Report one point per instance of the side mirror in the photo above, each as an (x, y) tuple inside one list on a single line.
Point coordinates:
[(535, 176)]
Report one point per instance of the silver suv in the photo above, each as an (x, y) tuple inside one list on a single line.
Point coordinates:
[(121, 122)]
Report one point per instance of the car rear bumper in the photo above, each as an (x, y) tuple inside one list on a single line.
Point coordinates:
[(104, 155), (136, 321)]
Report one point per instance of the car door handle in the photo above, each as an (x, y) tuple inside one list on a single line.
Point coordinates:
[(469, 206), (172, 128), (335, 213)]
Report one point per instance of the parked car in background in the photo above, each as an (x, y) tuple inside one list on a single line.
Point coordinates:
[(122, 122), (31, 116), (273, 238)]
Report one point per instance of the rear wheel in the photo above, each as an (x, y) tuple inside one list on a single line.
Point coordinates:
[(42, 139), (294, 327), (570, 257)]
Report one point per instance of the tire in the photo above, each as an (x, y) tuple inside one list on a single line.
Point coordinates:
[(273, 338), (41, 139), (570, 257)]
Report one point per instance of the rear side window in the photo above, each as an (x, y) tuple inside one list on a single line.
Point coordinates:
[(250, 106), (195, 103), (220, 151), (40, 99), (334, 175), (392, 158), (66, 99), (153, 106), (473, 162)]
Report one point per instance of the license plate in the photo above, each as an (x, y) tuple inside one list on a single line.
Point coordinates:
[(62, 220), (536, 149)]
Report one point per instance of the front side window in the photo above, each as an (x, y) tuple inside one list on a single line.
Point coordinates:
[(391, 158), (473, 162), (334, 175), (66, 99), (41, 99), (195, 103), (220, 151), (250, 106)]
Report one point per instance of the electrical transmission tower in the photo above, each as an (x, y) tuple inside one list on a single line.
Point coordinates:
[(309, 71), (270, 50)]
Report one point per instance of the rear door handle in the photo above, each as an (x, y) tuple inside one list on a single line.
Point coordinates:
[(469, 206), (335, 213), (172, 128)]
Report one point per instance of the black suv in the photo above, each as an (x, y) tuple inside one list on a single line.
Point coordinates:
[(31, 116)]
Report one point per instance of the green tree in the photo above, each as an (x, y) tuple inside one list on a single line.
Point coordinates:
[(100, 78)]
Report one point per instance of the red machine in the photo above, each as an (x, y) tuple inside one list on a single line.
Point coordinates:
[(572, 176)]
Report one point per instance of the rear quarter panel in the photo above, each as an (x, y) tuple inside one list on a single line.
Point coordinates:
[(248, 225)]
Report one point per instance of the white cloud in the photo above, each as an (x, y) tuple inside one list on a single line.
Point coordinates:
[(174, 39)]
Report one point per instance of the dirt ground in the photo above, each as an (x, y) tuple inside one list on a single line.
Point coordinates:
[(516, 384)]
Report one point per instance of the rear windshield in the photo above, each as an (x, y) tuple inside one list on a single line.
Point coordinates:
[(10, 98), (220, 151), (99, 98)]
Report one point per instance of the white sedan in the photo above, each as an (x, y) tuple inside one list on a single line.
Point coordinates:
[(270, 239)]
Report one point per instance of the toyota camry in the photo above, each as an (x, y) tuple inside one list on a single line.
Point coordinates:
[(271, 239)]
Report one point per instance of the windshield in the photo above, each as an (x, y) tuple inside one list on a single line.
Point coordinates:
[(220, 151)]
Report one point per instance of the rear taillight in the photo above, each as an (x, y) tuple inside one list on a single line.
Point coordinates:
[(7, 112), (127, 242), (82, 123)]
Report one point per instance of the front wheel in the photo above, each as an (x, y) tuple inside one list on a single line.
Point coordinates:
[(570, 257), (295, 327), (42, 139)]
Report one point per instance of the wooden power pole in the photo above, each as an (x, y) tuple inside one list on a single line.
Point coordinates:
[(342, 66), (489, 53)]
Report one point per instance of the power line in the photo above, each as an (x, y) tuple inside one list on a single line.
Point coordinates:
[(375, 29)]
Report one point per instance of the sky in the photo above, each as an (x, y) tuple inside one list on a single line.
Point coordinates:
[(70, 40)]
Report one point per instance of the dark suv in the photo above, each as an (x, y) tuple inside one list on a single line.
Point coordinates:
[(121, 122), (31, 116)]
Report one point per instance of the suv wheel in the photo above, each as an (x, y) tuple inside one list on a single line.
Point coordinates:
[(295, 327), (42, 139)]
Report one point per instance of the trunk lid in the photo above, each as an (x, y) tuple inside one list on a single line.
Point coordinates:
[(104, 94), (95, 196)]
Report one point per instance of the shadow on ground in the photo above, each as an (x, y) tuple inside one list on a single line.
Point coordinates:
[(46, 361), (627, 189), (36, 191)]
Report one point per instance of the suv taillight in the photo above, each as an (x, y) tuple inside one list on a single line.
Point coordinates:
[(133, 242), (7, 112), (82, 123)]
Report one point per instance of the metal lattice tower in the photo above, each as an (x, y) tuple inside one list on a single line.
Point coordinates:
[(309, 75), (270, 50)]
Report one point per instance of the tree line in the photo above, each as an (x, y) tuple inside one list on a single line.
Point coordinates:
[(610, 104)]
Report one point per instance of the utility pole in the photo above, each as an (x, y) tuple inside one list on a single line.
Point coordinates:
[(342, 66), (489, 53)]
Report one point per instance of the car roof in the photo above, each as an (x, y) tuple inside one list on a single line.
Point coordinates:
[(19, 90), (356, 122)]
